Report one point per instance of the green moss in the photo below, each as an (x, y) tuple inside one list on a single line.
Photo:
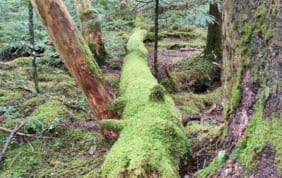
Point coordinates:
[(153, 131), (22, 61), (235, 94), (118, 105), (47, 117), (170, 84), (89, 61), (196, 73), (191, 103), (65, 87), (28, 105), (261, 11), (203, 132), (157, 94), (260, 132), (58, 157), (113, 125), (8, 95), (136, 41)]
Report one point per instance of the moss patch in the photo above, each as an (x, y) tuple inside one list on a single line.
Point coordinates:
[(260, 132)]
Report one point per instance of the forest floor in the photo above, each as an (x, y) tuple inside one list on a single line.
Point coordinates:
[(66, 139)]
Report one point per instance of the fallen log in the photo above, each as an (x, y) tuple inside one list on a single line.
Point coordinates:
[(151, 142)]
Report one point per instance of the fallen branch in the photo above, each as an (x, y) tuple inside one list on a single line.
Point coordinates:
[(9, 139), (19, 133)]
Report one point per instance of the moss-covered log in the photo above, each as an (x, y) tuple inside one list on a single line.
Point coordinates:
[(152, 143), (75, 54)]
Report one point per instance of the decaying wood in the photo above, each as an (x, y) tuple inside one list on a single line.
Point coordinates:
[(188, 118), (75, 54)]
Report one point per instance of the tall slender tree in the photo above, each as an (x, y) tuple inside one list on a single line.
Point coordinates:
[(156, 38), (32, 48)]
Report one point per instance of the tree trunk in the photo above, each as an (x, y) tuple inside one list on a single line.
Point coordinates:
[(91, 29), (214, 47), (75, 54), (152, 141), (156, 38), (252, 80)]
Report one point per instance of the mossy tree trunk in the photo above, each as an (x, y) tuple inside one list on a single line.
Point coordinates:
[(91, 29), (214, 45), (252, 80), (151, 139), (75, 54)]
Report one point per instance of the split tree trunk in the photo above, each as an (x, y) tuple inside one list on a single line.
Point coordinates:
[(252, 80), (152, 141), (91, 29), (75, 54)]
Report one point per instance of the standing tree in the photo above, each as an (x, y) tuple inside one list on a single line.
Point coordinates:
[(252, 90), (32, 47), (156, 38), (91, 29), (214, 47), (75, 54)]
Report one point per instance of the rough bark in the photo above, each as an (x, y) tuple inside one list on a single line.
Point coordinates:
[(75, 54), (214, 46), (91, 29), (252, 80), (152, 141)]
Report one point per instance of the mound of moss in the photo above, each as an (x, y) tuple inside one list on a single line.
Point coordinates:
[(152, 140)]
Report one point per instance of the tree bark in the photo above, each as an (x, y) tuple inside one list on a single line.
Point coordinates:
[(75, 54), (214, 46), (91, 29), (252, 81), (156, 38), (152, 141)]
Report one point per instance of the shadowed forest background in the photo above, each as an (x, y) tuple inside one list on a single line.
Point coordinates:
[(140, 88)]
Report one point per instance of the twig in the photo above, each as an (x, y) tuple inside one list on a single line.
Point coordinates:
[(19, 133), (9, 139)]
